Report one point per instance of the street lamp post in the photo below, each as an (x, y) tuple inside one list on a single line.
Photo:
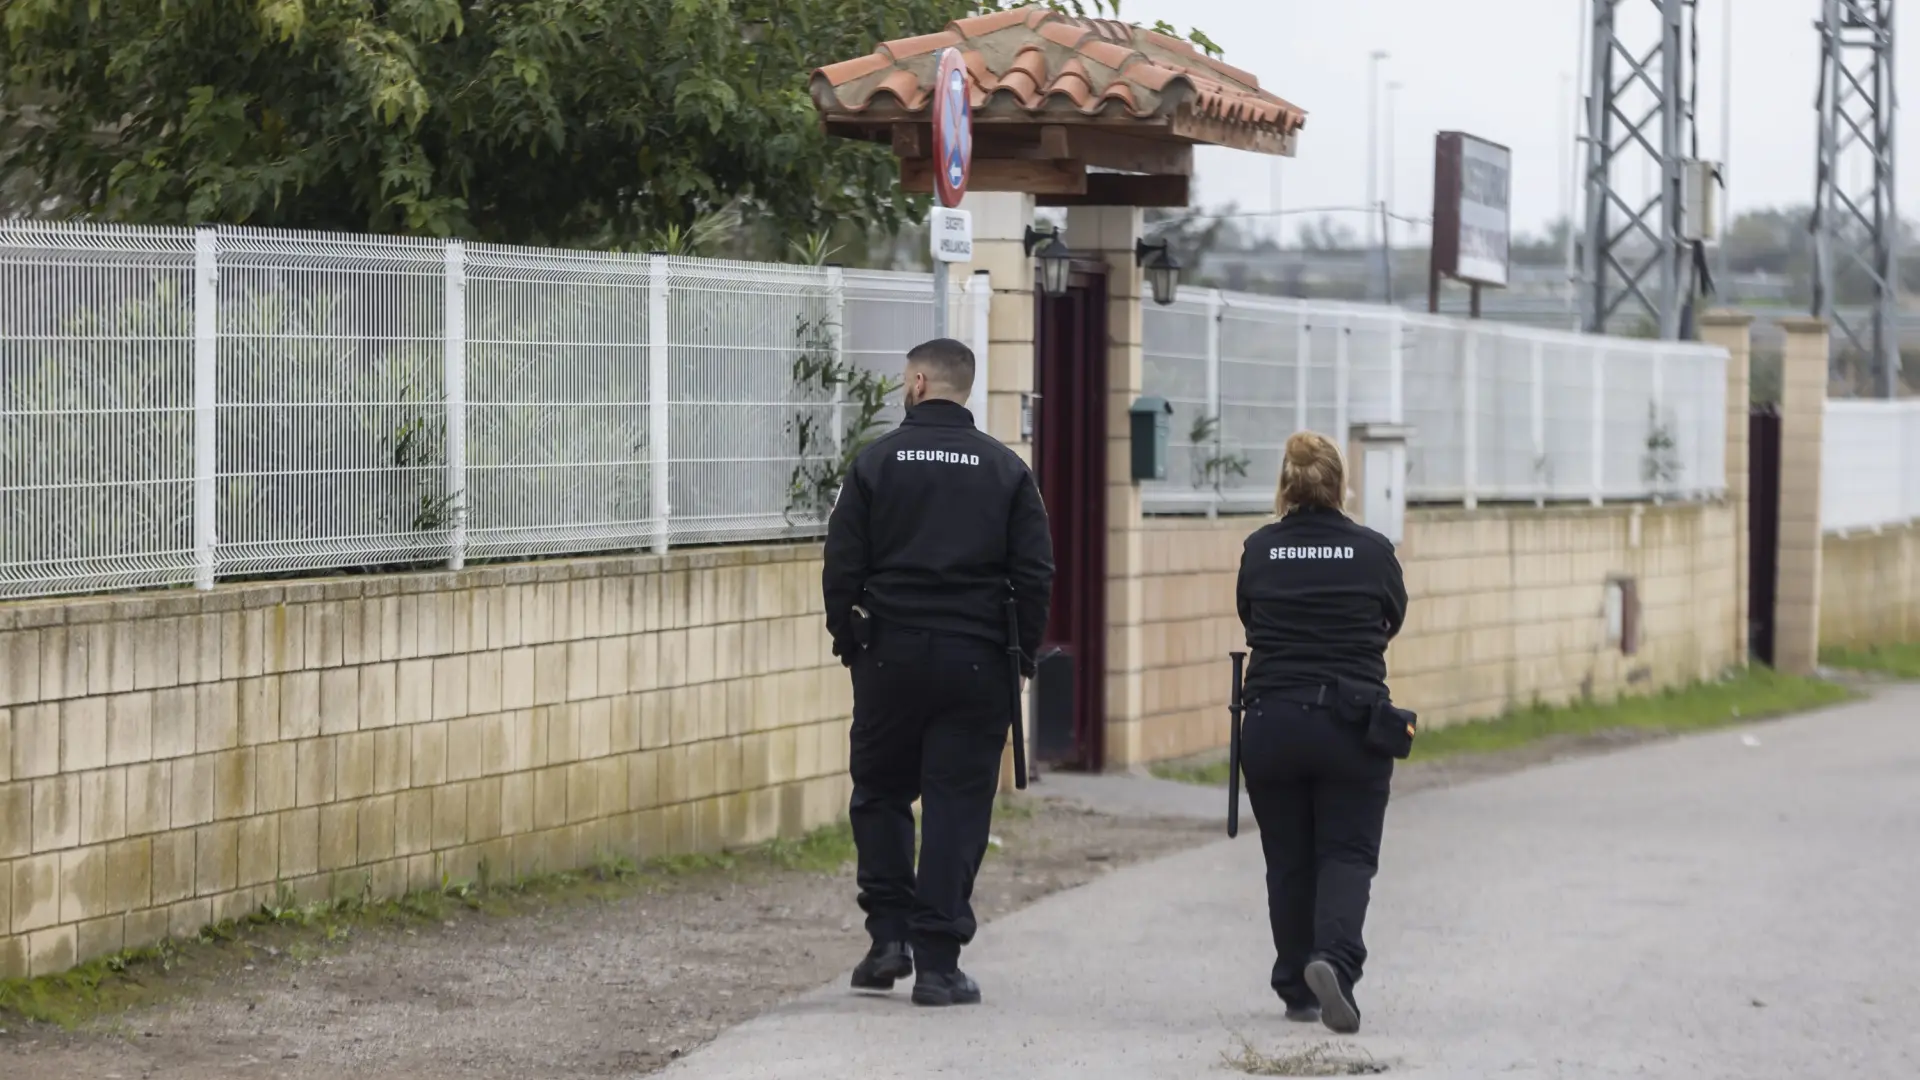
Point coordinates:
[(1386, 203), (1393, 104), (1373, 137)]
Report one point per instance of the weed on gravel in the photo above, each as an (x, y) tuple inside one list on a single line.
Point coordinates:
[(1320, 1059)]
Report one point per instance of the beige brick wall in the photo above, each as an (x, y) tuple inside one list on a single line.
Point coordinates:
[(1507, 606), (1870, 588), (170, 761), (166, 762), (1190, 565)]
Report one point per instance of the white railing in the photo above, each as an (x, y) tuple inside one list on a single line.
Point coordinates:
[(1870, 465), (1499, 412), (181, 405)]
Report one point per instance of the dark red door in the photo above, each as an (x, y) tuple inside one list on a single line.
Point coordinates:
[(1070, 451), (1763, 528)]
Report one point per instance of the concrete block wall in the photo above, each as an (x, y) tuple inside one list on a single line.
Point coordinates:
[(171, 761), (1507, 607), (1190, 625), (1870, 588)]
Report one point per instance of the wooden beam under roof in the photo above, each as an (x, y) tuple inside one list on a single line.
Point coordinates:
[(1121, 189), (1058, 142), (1033, 177)]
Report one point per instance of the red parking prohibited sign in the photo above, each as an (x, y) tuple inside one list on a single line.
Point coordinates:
[(952, 130)]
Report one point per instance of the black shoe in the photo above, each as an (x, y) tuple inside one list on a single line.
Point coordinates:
[(945, 988), (1337, 1009), (1304, 1014), (885, 962)]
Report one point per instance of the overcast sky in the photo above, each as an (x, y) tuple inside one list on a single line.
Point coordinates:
[(1503, 70)]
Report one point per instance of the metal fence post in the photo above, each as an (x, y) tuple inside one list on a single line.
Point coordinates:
[(1470, 417), (1216, 310), (1303, 357), (1396, 369), (837, 305), (980, 296), (1658, 415), (1598, 440), (1536, 362), (659, 415), (1342, 386), (455, 383), (206, 354)]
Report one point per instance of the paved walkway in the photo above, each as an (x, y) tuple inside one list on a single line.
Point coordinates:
[(1736, 905)]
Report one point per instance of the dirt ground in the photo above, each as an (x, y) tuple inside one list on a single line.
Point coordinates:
[(594, 986), (580, 989)]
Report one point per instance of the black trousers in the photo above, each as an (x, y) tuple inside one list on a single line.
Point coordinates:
[(930, 719), (1320, 796)]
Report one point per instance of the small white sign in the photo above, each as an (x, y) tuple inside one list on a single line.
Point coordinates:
[(952, 235)]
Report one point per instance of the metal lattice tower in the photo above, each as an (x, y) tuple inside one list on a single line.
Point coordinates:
[(1639, 119), (1855, 233)]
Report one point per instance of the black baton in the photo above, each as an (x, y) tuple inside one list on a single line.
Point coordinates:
[(1019, 728), (1235, 708)]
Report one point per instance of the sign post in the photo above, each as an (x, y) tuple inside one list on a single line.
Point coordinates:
[(1472, 217), (951, 229)]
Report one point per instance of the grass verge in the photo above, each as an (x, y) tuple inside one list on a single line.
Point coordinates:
[(1900, 661), (1755, 693), (286, 929), (1209, 773)]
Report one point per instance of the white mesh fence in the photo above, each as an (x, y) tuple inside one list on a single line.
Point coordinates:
[(1496, 412), (182, 405), (1870, 465)]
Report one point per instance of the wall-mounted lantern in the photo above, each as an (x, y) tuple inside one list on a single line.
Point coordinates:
[(1163, 270), (1056, 262)]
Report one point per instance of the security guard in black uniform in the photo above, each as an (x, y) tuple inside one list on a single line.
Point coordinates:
[(1320, 597), (936, 526)]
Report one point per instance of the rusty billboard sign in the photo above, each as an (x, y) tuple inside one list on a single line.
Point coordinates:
[(1472, 209)]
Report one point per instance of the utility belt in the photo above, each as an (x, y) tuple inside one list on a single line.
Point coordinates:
[(865, 630), (1389, 728)]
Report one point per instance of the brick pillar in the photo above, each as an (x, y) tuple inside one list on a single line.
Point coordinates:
[(1803, 403), (1000, 220), (1732, 331), (1108, 233)]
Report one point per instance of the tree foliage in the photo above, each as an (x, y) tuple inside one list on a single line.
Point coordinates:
[(526, 121)]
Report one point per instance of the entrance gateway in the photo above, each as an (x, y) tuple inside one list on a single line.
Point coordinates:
[(1076, 113)]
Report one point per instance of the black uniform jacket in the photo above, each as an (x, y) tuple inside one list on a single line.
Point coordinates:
[(936, 525), (1320, 597)]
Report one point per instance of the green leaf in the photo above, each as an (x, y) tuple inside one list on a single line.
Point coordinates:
[(574, 122)]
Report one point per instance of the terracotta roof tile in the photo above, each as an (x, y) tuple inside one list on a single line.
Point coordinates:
[(1042, 63)]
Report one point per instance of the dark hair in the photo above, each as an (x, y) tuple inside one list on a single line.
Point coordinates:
[(947, 363)]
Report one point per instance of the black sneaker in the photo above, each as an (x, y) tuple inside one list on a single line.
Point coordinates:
[(1337, 1009), (939, 988), (885, 962), (1304, 1014)]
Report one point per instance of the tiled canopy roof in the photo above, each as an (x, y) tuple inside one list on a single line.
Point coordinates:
[(1044, 67)]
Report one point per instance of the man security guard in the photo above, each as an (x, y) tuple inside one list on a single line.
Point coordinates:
[(1320, 597), (936, 525)]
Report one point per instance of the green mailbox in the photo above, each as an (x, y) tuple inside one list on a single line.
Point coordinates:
[(1152, 420)]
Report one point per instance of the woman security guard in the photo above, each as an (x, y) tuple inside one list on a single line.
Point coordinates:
[(1320, 597)]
